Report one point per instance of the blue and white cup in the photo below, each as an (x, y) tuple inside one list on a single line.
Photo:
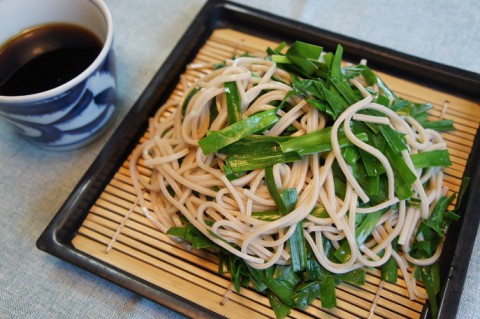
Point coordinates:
[(78, 111)]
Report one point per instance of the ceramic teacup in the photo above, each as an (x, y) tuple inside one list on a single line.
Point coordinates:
[(76, 112)]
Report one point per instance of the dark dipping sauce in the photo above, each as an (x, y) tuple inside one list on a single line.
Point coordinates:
[(45, 57)]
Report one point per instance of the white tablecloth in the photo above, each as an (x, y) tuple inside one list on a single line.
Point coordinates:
[(34, 183)]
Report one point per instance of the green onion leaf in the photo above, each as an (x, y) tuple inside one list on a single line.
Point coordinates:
[(217, 139), (304, 56), (281, 59), (373, 166), (327, 292), (396, 143), (272, 189), (354, 277), (234, 105), (316, 142), (267, 216), (343, 253), (385, 89), (431, 158), (188, 98), (435, 219), (431, 278), (192, 235), (305, 293), (280, 309), (241, 163), (440, 125), (390, 268)]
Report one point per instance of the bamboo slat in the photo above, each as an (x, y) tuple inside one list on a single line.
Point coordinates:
[(143, 251)]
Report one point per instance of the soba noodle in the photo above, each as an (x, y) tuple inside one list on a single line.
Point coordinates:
[(185, 181)]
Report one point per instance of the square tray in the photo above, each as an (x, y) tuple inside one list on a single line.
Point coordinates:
[(224, 19)]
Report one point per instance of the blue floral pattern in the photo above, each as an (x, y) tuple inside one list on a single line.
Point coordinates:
[(72, 119)]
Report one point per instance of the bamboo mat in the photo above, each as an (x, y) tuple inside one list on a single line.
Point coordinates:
[(143, 251)]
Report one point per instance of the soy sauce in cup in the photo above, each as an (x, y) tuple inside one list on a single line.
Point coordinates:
[(69, 99), (44, 57)]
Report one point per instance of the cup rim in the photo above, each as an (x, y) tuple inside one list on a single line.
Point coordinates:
[(80, 77)]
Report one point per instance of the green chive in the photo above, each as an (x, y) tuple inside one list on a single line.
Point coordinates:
[(217, 139)]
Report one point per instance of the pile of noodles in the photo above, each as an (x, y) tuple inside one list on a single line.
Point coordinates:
[(186, 182)]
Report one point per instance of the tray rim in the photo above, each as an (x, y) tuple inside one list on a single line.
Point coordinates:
[(57, 236)]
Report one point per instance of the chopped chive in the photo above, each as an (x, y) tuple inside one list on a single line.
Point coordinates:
[(280, 309), (327, 292), (188, 98), (431, 158), (234, 105), (440, 125), (217, 139), (305, 293)]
